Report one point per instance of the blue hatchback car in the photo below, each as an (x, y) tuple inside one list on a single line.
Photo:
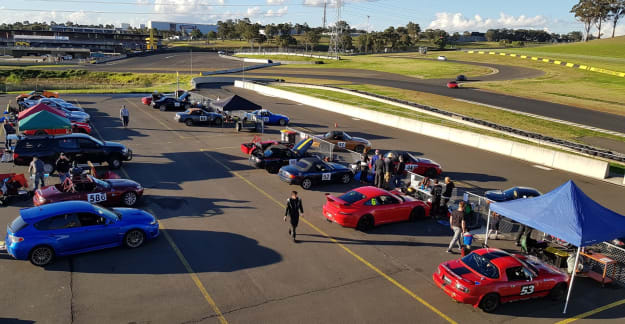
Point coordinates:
[(41, 233)]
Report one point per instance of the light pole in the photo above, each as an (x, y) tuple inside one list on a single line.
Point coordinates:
[(191, 53)]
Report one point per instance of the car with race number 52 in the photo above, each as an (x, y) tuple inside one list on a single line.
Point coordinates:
[(270, 118), (311, 171), (198, 116), (345, 141), (424, 167), (107, 192), (277, 156), (40, 234), (489, 277), (366, 207)]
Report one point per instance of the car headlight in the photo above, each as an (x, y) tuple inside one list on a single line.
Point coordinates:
[(125, 150), (154, 222), (139, 187), (41, 199)]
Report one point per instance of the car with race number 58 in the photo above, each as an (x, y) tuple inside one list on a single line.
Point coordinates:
[(198, 116), (366, 207), (107, 192), (277, 156), (489, 277), (40, 234), (345, 141), (312, 171)]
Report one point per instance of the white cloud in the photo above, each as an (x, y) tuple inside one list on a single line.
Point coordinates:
[(253, 12), (331, 3), (275, 2), (457, 22), (277, 13), (181, 6)]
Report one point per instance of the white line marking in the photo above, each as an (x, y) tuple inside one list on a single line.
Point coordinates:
[(355, 118), (542, 167)]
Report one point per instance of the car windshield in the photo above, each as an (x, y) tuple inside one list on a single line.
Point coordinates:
[(352, 197), (99, 182), (347, 137), (17, 225), (110, 214), (481, 265), (509, 194), (302, 165)]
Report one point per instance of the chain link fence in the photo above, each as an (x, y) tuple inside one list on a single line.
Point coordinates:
[(320, 148), (616, 271)]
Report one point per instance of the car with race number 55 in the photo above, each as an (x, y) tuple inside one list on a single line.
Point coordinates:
[(198, 116), (366, 207), (424, 167), (40, 234), (106, 192), (270, 118), (345, 141), (277, 156), (312, 171), (489, 277)]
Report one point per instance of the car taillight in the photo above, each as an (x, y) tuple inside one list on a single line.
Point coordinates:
[(15, 239), (291, 176), (15, 156), (462, 288), (41, 199)]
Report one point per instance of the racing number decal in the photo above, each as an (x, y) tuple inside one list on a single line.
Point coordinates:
[(176, 104), (203, 118), (95, 198), (410, 167), (325, 176), (341, 144), (266, 119), (527, 290)]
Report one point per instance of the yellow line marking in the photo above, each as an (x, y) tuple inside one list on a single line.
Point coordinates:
[(480, 52), (546, 60), (513, 55), (492, 53), (583, 67), (534, 58), (523, 56), (502, 54), (570, 64), (557, 62), (592, 312)]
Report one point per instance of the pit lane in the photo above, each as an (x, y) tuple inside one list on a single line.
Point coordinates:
[(234, 239)]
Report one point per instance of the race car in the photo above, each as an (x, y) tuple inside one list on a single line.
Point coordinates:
[(511, 194), (366, 207), (424, 167), (489, 277), (276, 156), (41, 94), (270, 118), (313, 171), (452, 85), (198, 116), (167, 103), (248, 148), (109, 192), (461, 78), (153, 97), (345, 141)]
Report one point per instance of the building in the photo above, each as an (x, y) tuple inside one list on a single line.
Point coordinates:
[(125, 26), (177, 27)]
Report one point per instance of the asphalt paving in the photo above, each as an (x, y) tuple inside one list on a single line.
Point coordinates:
[(224, 239)]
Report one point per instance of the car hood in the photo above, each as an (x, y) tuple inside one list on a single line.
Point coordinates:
[(495, 195), (123, 183), (182, 114), (114, 144), (49, 191), (135, 216)]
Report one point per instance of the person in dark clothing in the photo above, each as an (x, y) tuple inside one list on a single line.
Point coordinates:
[(62, 167), (293, 209), (364, 168), (449, 188), (8, 130), (437, 191), (389, 169), (399, 172), (374, 158), (379, 171), (524, 230), (457, 225)]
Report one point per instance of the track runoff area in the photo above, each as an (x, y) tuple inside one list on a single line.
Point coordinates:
[(225, 254)]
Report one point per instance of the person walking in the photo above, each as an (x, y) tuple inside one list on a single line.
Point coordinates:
[(449, 188), (437, 191), (378, 167), (36, 168), (399, 172), (364, 168), (62, 166), (8, 130), (124, 114), (293, 209), (458, 226)]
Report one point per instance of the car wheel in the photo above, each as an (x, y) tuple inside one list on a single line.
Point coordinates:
[(365, 223), (490, 303), (129, 199), (283, 122), (48, 168), (558, 292), (163, 108), (115, 162), (188, 122), (346, 178), (217, 121), (273, 168), (359, 148), (134, 238), (306, 184), (417, 213), (431, 173), (41, 255)]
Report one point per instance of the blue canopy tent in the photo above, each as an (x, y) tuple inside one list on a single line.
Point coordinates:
[(566, 213)]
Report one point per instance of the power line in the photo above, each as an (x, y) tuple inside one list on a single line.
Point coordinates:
[(163, 3)]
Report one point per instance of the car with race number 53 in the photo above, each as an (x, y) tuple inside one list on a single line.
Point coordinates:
[(311, 171), (270, 118), (40, 234), (198, 116), (366, 207), (277, 156), (107, 192), (424, 167), (345, 141), (489, 277)]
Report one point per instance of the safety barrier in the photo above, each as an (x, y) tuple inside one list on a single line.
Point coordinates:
[(320, 148), (617, 270), (324, 57)]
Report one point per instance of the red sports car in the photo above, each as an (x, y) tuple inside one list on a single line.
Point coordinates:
[(452, 85), (110, 192), (425, 167), (488, 277), (366, 207), (153, 97)]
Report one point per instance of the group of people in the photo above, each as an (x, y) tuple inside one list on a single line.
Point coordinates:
[(440, 195), (386, 172), (36, 169)]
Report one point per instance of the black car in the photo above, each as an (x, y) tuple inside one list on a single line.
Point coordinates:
[(77, 147), (170, 103), (198, 116), (511, 194), (277, 156), (313, 171)]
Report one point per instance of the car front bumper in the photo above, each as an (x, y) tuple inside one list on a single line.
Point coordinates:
[(128, 155)]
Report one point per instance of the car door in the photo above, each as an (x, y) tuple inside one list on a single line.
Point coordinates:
[(388, 209), (520, 284), (90, 151), (99, 230), (203, 117), (64, 230), (69, 146)]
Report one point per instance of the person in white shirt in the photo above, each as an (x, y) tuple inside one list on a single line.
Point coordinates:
[(124, 115)]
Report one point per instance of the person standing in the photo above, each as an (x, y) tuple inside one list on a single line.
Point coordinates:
[(364, 168), (62, 167), (437, 191), (524, 230), (374, 158), (36, 168), (399, 172), (458, 226), (8, 130), (293, 209), (449, 188), (124, 114), (388, 170), (379, 170)]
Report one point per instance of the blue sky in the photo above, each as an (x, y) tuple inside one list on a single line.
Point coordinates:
[(451, 15)]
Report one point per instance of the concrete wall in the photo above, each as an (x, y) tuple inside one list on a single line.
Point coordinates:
[(539, 155), (291, 54)]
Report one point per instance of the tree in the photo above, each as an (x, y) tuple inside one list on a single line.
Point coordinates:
[(413, 30), (270, 31), (211, 35), (441, 39), (617, 11), (196, 34), (250, 32), (585, 13), (575, 36), (311, 37), (602, 9)]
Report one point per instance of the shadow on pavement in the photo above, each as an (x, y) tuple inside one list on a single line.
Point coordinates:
[(105, 122), (468, 176), (349, 241), (194, 207)]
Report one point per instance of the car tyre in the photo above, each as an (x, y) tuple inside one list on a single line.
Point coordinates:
[(558, 292), (365, 223), (134, 238), (346, 178), (282, 122), (490, 302), (359, 148), (417, 213), (115, 162), (273, 169), (188, 122), (41, 256), (130, 199), (306, 184)]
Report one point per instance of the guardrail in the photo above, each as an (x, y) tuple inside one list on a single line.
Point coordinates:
[(324, 57)]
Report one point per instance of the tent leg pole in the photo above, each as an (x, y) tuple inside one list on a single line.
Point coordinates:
[(568, 295), (487, 227)]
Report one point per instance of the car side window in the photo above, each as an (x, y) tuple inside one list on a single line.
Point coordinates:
[(58, 222), (89, 219), (86, 143), (68, 143), (517, 274), (388, 200)]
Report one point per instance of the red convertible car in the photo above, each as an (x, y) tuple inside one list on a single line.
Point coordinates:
[(424, 167), (452, 85), (366, 207), (109, 192), (248, 148), (488, 277)]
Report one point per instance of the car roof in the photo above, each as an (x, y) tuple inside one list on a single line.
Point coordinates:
[(35, 214), (72, 135), (500, 258), (371, 191)]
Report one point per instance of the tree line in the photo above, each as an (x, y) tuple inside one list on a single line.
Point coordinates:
[(597, 13)]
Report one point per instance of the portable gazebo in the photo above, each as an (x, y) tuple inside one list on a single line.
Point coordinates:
[(566, 213), (37, 108), (234, 103), (44, 120)]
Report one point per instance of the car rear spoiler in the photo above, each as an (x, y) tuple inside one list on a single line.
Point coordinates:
[(337, 201)]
